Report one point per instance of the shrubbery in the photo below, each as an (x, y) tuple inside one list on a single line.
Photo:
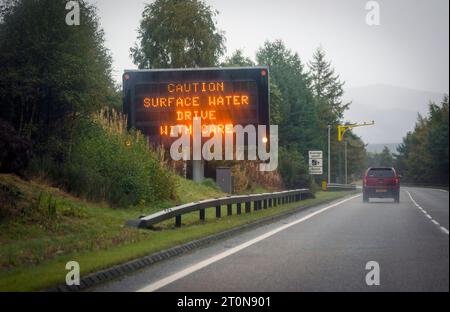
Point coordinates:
[(108, 162), (294, 168)]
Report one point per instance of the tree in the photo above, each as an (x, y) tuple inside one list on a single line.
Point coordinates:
[(52, 73), (238, 59), (276, 102), (383, 159), (423, 155), (178, 33), (356, 155), (327, 89), (297, 116), (299, 119), (437, 142)]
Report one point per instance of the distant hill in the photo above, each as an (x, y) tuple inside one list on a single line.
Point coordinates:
[(378, 148), (394, 110)]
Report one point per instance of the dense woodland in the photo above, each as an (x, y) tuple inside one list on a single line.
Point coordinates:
[(422, 158), (59, 101)]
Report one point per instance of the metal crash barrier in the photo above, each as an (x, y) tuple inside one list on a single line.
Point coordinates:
[(243, 204)]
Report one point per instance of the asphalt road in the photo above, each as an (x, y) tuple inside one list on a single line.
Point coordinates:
[(325, 248)]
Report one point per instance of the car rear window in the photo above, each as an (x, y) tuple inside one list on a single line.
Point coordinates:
[(381, 173)]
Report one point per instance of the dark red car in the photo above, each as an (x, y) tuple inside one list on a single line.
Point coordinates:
[(381, 183)]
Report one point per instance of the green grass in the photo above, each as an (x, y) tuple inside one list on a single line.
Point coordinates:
[(37, 242)]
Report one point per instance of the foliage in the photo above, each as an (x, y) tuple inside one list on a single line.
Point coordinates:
[(210, 183), (294, 168), (52, 74), (113, 164), (54, 79), (299, 119), (356, 156), (176, 34), (238, 59), (305, 103), (423, 155), (383, 159), (276, 103), (327, 89)]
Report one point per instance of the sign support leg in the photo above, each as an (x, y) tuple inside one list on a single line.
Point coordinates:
[(198, 170)]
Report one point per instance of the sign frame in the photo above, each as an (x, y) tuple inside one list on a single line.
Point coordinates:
[(133, 78)]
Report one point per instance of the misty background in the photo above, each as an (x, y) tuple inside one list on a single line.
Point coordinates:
[(392, 71)]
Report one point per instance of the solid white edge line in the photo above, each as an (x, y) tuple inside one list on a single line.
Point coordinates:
[(443, 229), (176, 276)]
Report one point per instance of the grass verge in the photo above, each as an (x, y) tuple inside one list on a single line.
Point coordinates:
[(33, 255)]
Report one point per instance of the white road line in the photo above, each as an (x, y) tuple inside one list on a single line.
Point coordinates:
[(443, 229), (172, 278)]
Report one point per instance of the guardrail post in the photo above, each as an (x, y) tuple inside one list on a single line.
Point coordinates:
[(178, 221), (218, 211), (266, 204), (238, 208), (229, 209), (275, 202), (270, 202), (247, 207), (202, 214)]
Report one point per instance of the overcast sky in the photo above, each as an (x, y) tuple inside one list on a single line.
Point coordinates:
[(410, 48)]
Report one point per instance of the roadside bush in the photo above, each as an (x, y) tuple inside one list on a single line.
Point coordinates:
[(294, 168), (109, 163)]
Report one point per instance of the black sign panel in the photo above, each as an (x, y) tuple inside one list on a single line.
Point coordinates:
[(158, 100)]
